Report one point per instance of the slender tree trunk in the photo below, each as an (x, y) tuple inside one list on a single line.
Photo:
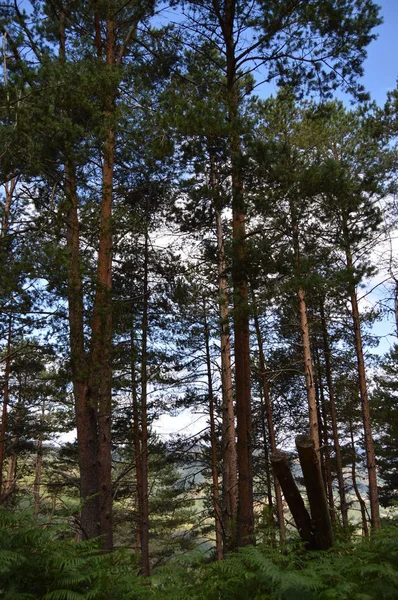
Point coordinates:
[(229, 459), (213, 443), (3, 429), (361, 501), (270, 421), (245, 518), (9, 192), (266, 452), (333, 417), (38, 469), (137, 445), (11, 473), (305, 334), (309, 375), (144, 418), (9, 188), (325, 435), (367, 426)]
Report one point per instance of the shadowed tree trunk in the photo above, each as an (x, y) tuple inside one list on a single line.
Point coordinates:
[(229, 459), (361, 501), (316, 493), (325, 451), (245, 516), (38, 469), (367, 426), (3, 429), (270, 421), (144, 532), (305, 332), (213, 442), (294, 499), (333, 417)]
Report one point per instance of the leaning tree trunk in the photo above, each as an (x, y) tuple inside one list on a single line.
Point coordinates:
[(320, 515), (294, 499)]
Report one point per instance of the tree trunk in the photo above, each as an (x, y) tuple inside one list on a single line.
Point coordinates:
[(229, 459), (270, 421), (100, 371), (320, 515), (294, 499), (144, 532), (11, 474), (266, 451), (137, 446), (325, 451), (38, 469), (213, 442), (361, 501), (3, 429), (309, 376), (245, 518), (85, 410), (305, 334), (367, 426), (333, 417)]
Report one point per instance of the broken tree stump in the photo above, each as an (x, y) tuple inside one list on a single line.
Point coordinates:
[(320, 514), (294, 499)]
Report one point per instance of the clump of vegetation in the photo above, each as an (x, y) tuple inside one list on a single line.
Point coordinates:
[(36, 563)]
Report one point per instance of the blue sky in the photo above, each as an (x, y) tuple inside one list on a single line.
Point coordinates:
[(381, 66)]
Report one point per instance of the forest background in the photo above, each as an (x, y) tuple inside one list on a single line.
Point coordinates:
[(198, 227)]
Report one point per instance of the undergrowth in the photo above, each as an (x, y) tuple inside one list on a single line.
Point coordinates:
[(36, 564)]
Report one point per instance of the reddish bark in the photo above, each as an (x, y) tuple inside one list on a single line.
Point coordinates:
[(367, 426), (229, 459)]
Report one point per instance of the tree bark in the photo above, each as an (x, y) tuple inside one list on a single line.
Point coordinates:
[(367, 426), (270, 420), (137, 445), (305, 334), (38, 469), (229, 459), (325, 451), (294, 499), (316, 493), (85, 410), (361, 501), (144, 532), (245, 518), (213, 442), (333, 417), (3, 429)]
